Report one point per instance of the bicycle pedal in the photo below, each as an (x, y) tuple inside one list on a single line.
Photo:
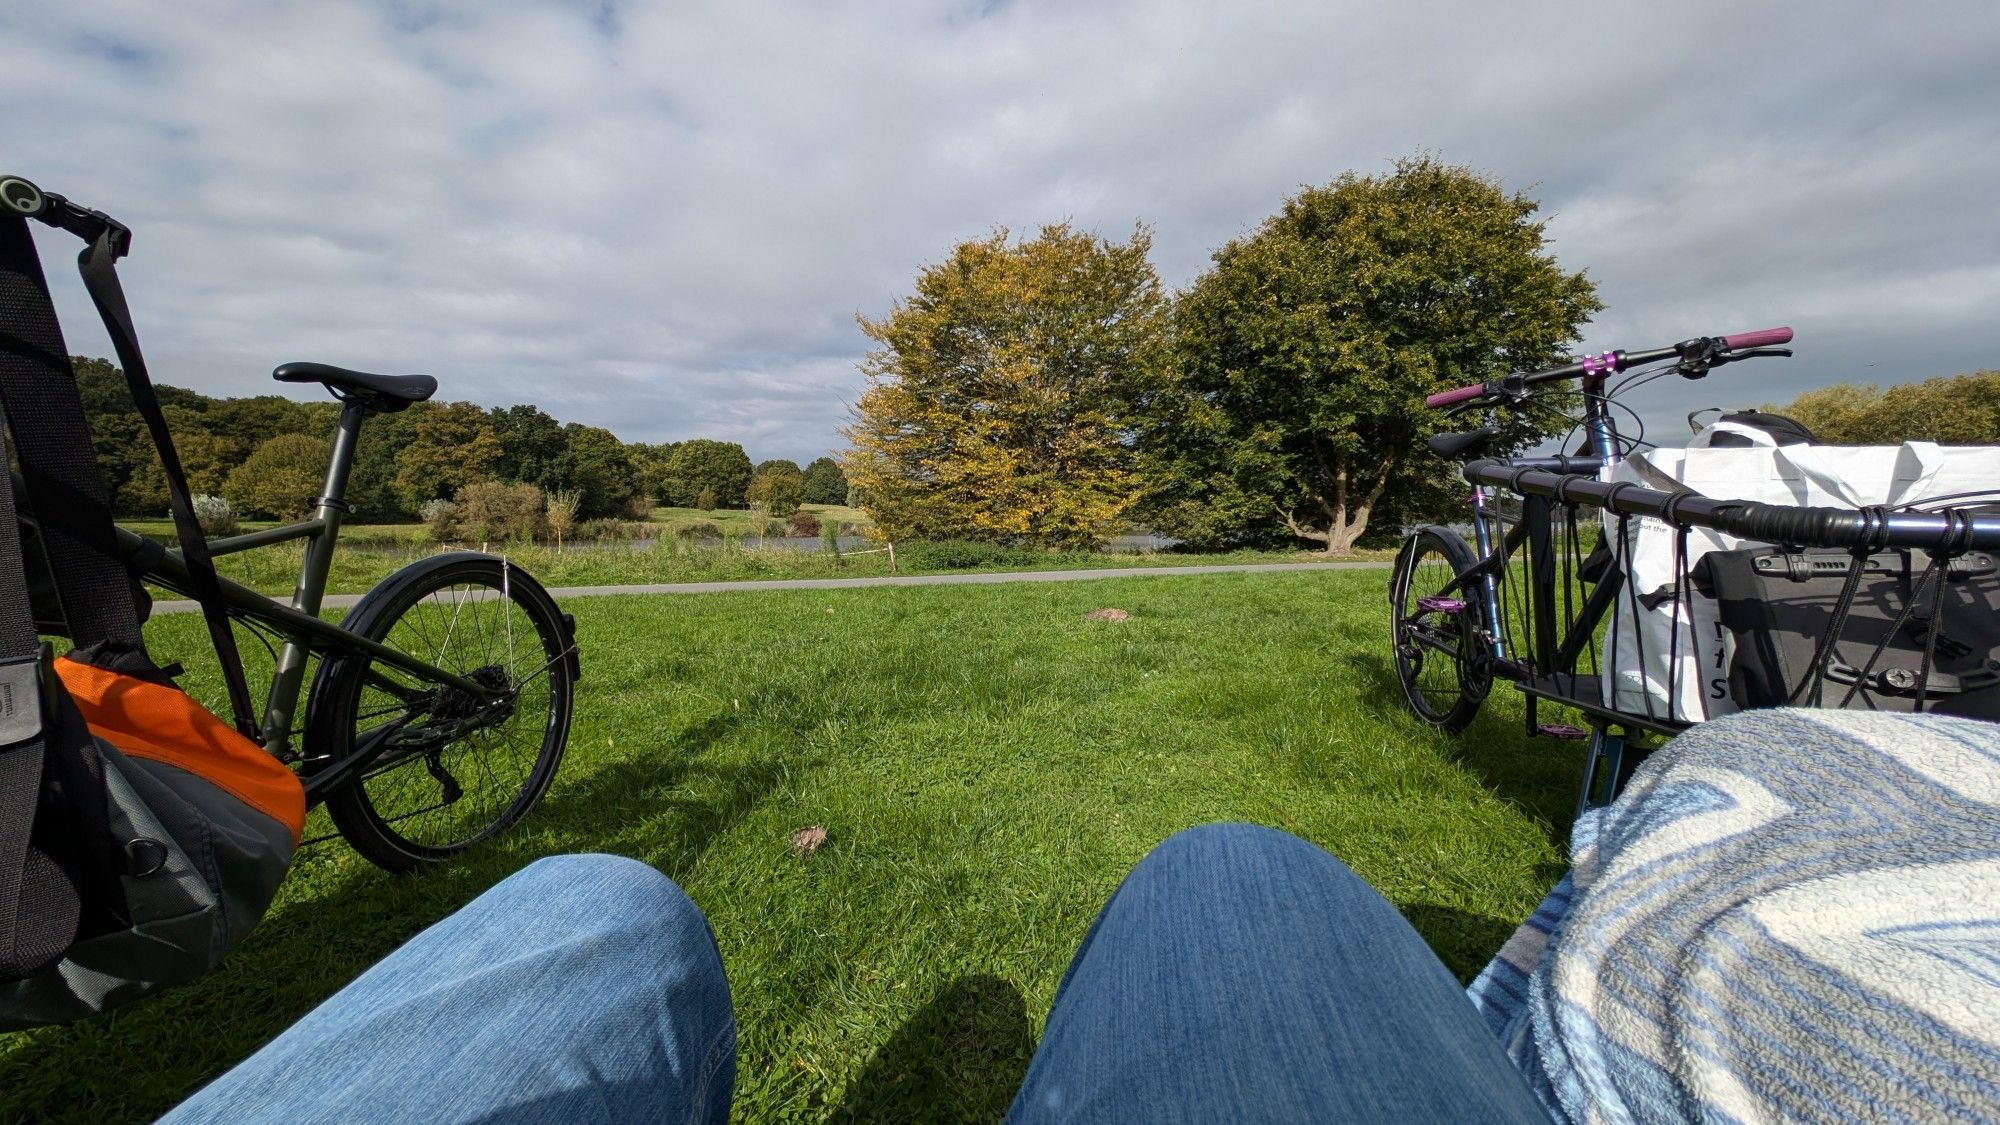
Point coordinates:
[(1441, 605), (1561, 730)]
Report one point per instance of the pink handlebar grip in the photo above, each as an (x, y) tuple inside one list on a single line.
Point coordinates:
[(1762, 338), (1450, 398)]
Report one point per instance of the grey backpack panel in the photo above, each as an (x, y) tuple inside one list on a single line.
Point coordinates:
[(220, 867)]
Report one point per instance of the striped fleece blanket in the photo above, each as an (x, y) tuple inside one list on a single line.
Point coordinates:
[(1787, 916)]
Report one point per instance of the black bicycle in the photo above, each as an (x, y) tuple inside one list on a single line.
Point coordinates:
[(439, 708)]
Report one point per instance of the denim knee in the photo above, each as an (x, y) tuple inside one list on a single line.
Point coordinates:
[(1210, 847), (604, 893)]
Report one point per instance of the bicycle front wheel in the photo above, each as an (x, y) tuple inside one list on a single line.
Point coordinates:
[(1435, 627), (453, 768)]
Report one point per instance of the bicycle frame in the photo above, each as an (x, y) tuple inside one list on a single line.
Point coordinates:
[(299, 621), (1494, 550)]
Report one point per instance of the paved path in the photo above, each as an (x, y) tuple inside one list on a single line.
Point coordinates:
[(344, 601)]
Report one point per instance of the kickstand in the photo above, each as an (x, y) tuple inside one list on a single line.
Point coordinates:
[(1601, 770)]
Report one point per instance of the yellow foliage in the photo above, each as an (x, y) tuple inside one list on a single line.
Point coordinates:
[(1956, 410), (999, 403)]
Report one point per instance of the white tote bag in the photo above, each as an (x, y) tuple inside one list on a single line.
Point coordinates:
[(1667, 653)]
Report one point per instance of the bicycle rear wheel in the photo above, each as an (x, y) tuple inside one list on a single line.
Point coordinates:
[(1436, 630), (455, 768)]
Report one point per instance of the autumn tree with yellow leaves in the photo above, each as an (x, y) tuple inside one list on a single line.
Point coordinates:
[(1002, 396), (1960, 410)]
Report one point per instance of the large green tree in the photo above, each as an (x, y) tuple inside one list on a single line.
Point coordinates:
[(596, 465), (451, 445), (1958, 410), (705, 463), (250, 422), (825, 483), (1000, 402), (532, 446), (280, 478), (779, 487), (1305, 353), (654, 463)]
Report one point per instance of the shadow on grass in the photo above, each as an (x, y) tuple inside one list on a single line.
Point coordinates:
[(310, 946), (960, 1058), (1540, 775), (1465, 942)]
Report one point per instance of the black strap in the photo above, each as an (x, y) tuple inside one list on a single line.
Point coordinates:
[(40, 908), (58, 466), (98, 264)]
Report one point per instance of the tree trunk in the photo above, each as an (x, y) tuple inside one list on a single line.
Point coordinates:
[(1346, 515)]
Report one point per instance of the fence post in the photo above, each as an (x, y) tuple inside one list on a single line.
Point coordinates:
[(892, 558)]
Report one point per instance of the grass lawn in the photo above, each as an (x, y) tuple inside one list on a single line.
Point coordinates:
[(987, 764), (361, 563)]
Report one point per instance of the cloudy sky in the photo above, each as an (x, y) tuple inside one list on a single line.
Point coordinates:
[(664, 217)]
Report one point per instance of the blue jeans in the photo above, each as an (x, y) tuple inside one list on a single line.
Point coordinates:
[(1238, 974)]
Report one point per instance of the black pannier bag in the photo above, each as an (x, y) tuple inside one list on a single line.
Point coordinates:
[(1783, 609)]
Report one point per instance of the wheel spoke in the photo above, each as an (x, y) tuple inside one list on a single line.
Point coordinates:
[(1435, 623), (499, 747)]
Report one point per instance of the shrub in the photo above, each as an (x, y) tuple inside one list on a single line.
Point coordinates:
[(778, 487), (215, 515), (441, 516), (706, 500), (959, 554), (492, 510), (563, 503), (614, 531), (804, 524), (704, 529), (637, 508)]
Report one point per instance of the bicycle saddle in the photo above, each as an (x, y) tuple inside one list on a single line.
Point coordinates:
[(1452, 447), (384, 394)]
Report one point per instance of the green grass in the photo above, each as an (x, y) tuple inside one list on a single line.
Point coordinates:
[(358, 566), (987, 764)]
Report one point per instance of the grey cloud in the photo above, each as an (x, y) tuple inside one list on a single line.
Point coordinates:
[(664, 218)]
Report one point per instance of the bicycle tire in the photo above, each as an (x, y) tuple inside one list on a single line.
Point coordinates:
[(1437, 639), (442, 750)]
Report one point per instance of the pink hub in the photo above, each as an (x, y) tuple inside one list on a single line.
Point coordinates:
[(1561, 730), (1441, 605)]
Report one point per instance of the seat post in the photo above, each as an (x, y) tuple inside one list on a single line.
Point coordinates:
[(328, 510)]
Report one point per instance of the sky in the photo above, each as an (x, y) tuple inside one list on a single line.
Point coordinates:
[(664, 218)]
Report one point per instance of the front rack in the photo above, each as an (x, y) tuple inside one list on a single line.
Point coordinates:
[(1778, 605)]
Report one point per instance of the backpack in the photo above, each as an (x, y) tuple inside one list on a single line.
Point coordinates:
[(141, 836)]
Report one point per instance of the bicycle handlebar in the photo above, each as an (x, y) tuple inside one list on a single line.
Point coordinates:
[(1452, 398), (1762, 338), (1696, 356)]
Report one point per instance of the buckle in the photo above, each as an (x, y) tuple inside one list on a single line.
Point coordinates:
[(21, 705)]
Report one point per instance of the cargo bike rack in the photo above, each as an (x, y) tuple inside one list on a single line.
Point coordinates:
[(1541, 597)]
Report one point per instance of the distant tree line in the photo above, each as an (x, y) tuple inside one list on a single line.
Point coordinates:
[(1956, 410), (267, 455)]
